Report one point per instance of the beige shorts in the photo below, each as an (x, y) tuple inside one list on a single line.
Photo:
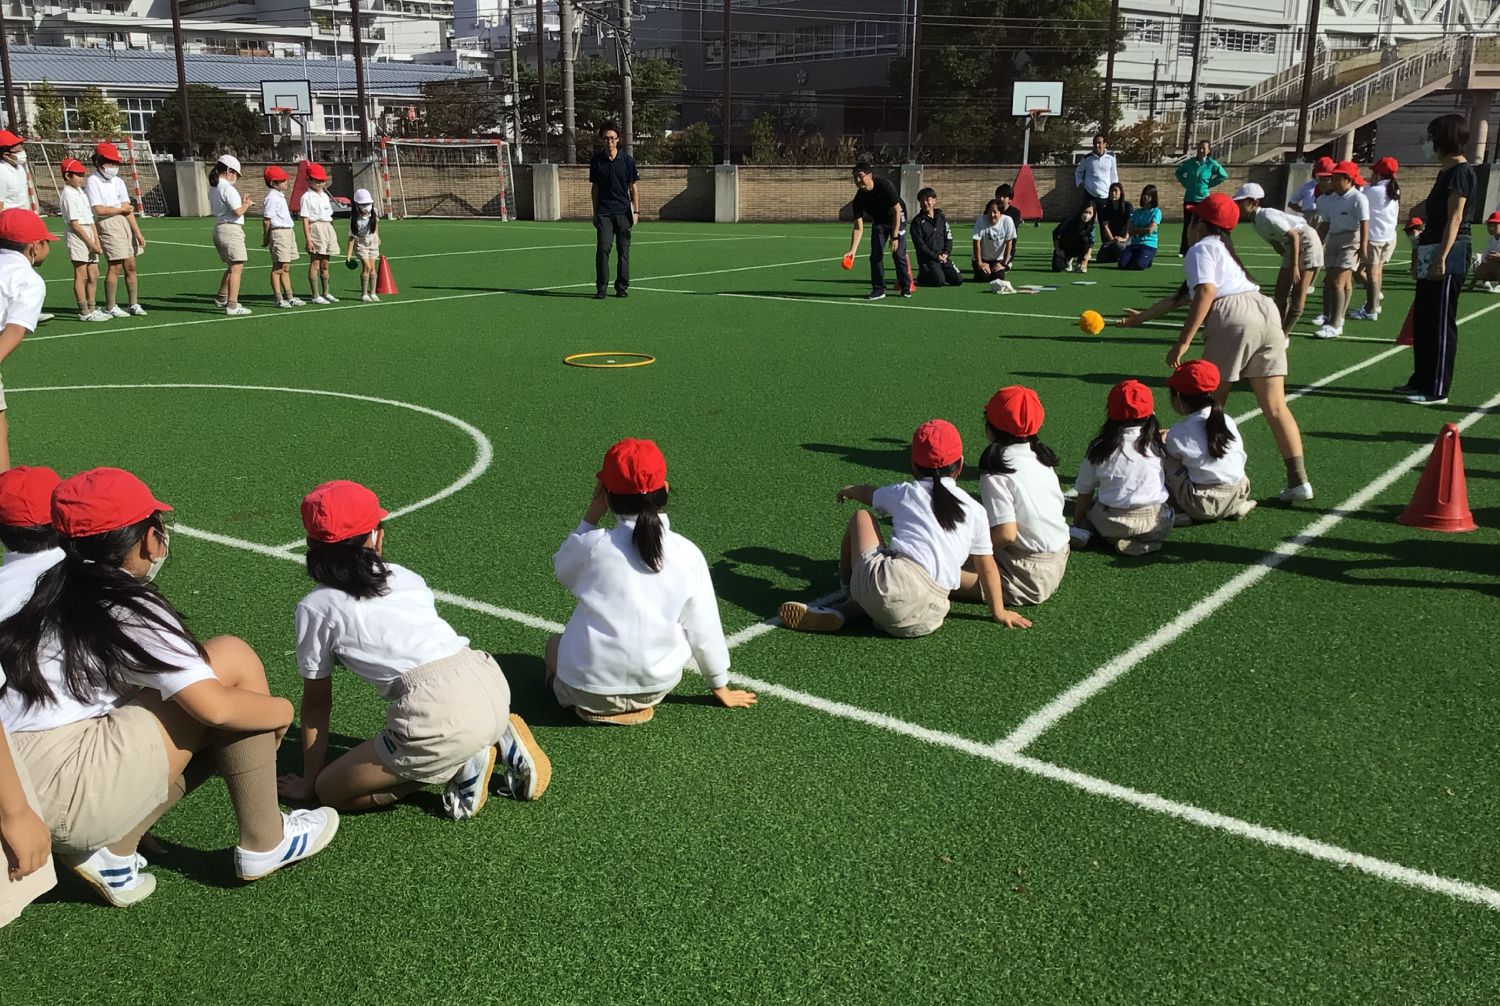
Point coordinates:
[(96, 779), (1031, 577), (1380, 253), (367, 248), (284, 245), (116, 238), (1341, 250), (1202, 503), (594, 707), (78, 251), (450, 709), (17, 894), (1141, 523), (1242, 336), (2, 396), (897, 594), (321, 238), (229, 242), (1311, 247)]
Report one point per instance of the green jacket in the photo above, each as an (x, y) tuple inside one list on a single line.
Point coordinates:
[(1197, 177)]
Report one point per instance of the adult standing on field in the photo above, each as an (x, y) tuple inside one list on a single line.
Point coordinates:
[(614, 181), (877, 199), (1096, 173), (119, 235), (1197, 175)]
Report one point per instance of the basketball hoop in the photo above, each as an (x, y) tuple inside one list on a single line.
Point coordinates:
[(285, 115), (1038, 119)]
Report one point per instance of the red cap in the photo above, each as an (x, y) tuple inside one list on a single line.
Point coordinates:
[(1493, 218), (633, 467), (936, 444), (100, 500), (9, 139), (341, 509), (23, 227), (1386, 167), (1015, 410), (1130, 400), (316, 172), (26, 496), (1415, 222), (1195, 377), (273, 174), (109, 152), (1322, 167), (1219, 210), (1348, 169), (73, 166)]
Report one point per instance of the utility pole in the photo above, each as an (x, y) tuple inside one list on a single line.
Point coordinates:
[(728, 93), (565, 33), (515, 74), (1190, 118), (359, 78), (541, 80), (916, 73), (1155, 72), (1309, 57), (625, 43), (13, 122), (187, 113), (1109, 66)]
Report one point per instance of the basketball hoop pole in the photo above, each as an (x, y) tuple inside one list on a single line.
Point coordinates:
[(1034, 119)]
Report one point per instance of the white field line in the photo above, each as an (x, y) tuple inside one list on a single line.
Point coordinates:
[(1069, 701)]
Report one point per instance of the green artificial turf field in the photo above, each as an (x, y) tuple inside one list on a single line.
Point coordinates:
[(1286, 792)]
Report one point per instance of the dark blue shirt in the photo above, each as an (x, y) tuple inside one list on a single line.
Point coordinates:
[(614, 178)]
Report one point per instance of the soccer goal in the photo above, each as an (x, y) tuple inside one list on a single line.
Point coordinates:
[(447, 178), (44, 157)]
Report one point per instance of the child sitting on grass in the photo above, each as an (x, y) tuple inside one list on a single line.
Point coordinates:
[(1122, 490), (1205, 464)]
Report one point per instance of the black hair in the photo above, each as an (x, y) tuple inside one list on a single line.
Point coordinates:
[(214, 172), (1148, 198), (649, 531), (350, 565), (36, 538), (1101, 136), (1203, 143), (1004, 191), (374, 220), (945, 506), (15, 246), (993, 204), (1111, 438), (1110, 200), (1219, 435), (81, 607), (609, 126), (926, 191), (992, 461), (1449, 134), (1393, 188), (863, 168)]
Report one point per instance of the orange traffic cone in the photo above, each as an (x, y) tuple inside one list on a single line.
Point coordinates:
[(1404, 339), (1441, 502), (385, 283)]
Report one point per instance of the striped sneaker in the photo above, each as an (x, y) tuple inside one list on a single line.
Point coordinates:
[(467, 791), (304, 833), (528, 770), (118, 879), (810, 617)]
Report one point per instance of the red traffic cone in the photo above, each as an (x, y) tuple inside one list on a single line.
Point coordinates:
[(385, 283), (1404, 339), (1441, 502)]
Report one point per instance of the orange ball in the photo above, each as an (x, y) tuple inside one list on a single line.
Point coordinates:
[(1091, 322)]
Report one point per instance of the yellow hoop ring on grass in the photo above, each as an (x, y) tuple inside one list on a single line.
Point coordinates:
[(609, 360)]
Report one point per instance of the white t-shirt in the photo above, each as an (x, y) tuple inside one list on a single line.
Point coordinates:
[(317, 206), (1209, 261), (994, 237), (1030, 497), (1306, 198), (13, 186), (1275, 226), (103, 191), (378, 638), (22, 291), (276, 210), (916, 533), (1343, 211), (1384, 212), (1127, 478), (1187, 441), (224, 202), (633, 631), (75, 207)]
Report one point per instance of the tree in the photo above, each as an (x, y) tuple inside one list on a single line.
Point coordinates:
[(461, 108), (693, 145), (221, 122), (597, 99), (50, 115), (1142, 142), (97, 115)]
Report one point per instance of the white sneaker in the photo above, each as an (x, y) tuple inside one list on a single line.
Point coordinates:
[(1296, 494), (1080, 536), (1492, 288), (368, 298), (137, 310), (330, 298), (1242, 511), (118, 312), (466, 793), (283, 303), (94, 315), (528, 770), (1072, 265), (1427, 400), (118, 879), (1320, 320), (44, 316), (320, 299), (304, 833), (296, 302), (374, 298), (1129, 546), (236, 310), (1361, 314), (1328, 332), (220, 302)]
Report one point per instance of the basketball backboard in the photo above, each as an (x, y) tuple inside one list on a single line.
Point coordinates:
[(292, 94), (1031, 95)]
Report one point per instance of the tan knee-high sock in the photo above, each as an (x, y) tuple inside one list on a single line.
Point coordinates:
[(248, 764), (199, 771)]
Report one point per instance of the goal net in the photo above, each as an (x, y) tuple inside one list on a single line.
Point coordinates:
[(447, 178), (44, 159)]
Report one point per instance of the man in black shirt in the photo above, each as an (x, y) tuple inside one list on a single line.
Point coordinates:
[(613, 179), (877, 199)]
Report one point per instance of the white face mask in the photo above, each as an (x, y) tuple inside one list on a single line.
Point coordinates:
[(111, 171), (157, 564)]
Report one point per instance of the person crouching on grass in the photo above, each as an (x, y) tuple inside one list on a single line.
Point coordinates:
[(933, 240), (25, 243), (449, 717), (82, 240), (279, 236), (646, 601), (1205, 463), (364, 242), (1122, 490), (229, 209), (994, 244), (904, 586), (316, 211), (877, 199)]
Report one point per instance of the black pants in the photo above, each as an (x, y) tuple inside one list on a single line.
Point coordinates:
[(1187, 218), (1434, 334), (880, 239), (996, 272), (612, 228), (1060, 255), (1110, 251), (935, 273)]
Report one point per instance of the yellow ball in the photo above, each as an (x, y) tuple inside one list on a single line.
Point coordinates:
[(1091, 322)]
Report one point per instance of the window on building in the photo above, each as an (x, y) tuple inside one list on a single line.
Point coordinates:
[(1238, 40), (138, 113), (340, 117), (1144, 29), (71, 122)]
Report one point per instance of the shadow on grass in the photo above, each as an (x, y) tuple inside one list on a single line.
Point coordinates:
[(735, 581), (895, 457)]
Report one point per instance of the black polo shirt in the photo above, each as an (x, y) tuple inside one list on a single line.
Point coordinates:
[(614, 178), (875, 204)]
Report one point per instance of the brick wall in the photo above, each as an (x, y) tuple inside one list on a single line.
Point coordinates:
[(668, 192)]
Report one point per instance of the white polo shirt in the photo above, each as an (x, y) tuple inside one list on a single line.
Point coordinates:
[(1343, 211), (22, 291), (75, 207), (13, 186), (276, 210), (378, 638), (1275, 226), (224, 202), (1209, 261), (916, 533), (1306, 197), (1030, 497), (1384, 212), (994, 237), (1096, 173), (1187, 441), (103, 191), (316, 206), (1127, 478)]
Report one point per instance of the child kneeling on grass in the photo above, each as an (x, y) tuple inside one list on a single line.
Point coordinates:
[(1122, 490), (1205, 463), (646, 602), (449, 716), (904, 586)]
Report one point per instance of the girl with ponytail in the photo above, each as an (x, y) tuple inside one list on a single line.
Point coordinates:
[(646, 604), (1205, 462), (1122, 491), (903, 586)]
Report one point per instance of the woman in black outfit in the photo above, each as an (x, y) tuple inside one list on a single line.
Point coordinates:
[(1073, 241), (1114, 224)]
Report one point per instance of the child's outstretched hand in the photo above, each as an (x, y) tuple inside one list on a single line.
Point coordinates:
[(1131, 320), (846, 493), (293, 788), (734, 698), (1013, 620)]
